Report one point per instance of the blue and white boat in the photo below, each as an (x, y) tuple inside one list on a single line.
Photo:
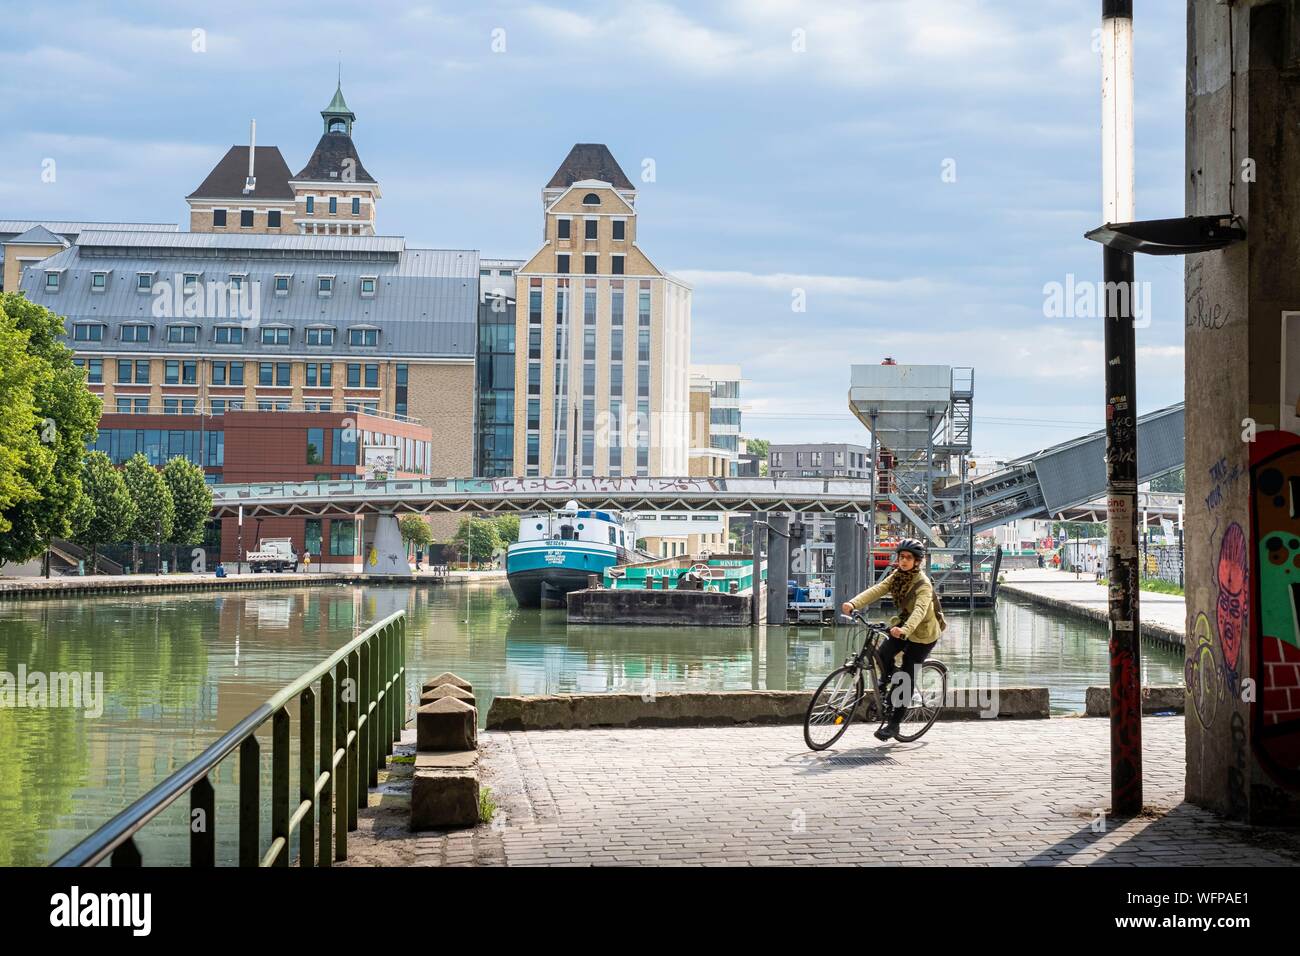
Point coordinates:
[(557, 552)]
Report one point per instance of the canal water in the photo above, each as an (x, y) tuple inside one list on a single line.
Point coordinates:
[(179, 670)]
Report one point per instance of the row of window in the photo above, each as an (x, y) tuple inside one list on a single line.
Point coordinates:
[(361, 337), (275, 374), (161, 445), (564, 228), (590, 263), (219, 218), (282, 283), (219, 406)]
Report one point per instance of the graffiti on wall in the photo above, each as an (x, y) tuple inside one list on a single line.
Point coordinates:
[(1203, 673), (1274, 589), (1233, 575)]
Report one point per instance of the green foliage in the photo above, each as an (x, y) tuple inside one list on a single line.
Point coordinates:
[(47, 415), (106, 512), (155, 511), (1175, 481), (759, 447), (415, 530), (477, 539), (191, 500), (507, 528), (487, 805)]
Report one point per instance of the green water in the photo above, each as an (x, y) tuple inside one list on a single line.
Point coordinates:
[(180, 670)]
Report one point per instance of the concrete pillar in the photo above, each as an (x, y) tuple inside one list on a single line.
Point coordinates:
[(1242, 367), (390, 550), (848, 572), (778, 567), (756, 569)]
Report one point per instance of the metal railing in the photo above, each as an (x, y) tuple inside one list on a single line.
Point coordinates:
[(363, 690)]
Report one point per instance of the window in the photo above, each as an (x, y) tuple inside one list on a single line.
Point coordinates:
[(590, 225), (354, 375), (334, 205), (182, 333), (324, 285), (562, 263), (87, 333), (643, 305), (51, 281), (372, 376), (319, 376), (315, 446), (236, 376), (273, 219), (191, 283), (219, 219), (343, 446), (228, 335), (95, 371), (534, 379), (171, 406), (275, 336), (320, 336), (534, 442), (143, 281), (218, 406), (343, 535), (190, 372), (282, 374), (218, 373), (620, 229), (140, 406), (364, 337), (400, 390), (265, 373), (591, 199), (616, 264), (562, 228), (136, 333), (98, 281), (142, 371), (367, 287), (356, 206), (124, 406), (172, 372), (311, 536), (245, 219), (642, 381), (311, 205), (534, 413), (589, 265), (643, 345), (188, 405), (282, 284), (534, 342)]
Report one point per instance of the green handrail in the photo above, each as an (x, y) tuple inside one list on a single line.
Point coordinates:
[(362, 712)]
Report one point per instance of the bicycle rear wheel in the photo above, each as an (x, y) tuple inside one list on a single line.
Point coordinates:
[(922, 713), (832, 706)]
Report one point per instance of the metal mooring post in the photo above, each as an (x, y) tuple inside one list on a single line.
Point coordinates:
[(1121, 412)]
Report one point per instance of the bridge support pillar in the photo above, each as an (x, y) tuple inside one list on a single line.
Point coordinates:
[(389, 550), (1242, 445), (778, 567), (848, 551)]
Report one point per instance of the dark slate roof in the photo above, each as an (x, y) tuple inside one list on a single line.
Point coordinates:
[(590, 161), (328, 158), (226, 181)]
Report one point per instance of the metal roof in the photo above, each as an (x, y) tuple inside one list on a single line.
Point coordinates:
[(38, 235), (425, 302)]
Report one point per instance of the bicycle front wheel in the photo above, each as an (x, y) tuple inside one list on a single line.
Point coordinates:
[(832, 707), (927, 701)]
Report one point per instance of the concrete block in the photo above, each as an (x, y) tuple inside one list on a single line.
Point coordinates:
[(447, 760), (444, 798), (1154, 699), (447, 677), (447, 690), (446, 724)]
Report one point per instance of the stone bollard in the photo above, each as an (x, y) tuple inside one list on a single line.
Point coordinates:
[(445, 791), (446, 677), (447, 690), (446, 724)]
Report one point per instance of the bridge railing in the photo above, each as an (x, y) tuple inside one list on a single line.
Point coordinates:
[(342, 746)]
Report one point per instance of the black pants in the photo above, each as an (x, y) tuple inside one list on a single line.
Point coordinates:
[(913, 655)]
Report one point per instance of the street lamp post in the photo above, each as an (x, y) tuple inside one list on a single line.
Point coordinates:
[(1121, 412)]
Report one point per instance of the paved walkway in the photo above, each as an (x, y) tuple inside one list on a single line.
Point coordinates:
[(973, 793), (1164, 616)]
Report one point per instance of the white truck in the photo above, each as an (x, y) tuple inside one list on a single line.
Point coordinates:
[(273, 554)]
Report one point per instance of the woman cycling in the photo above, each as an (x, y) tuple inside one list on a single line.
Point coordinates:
[(914, 628)]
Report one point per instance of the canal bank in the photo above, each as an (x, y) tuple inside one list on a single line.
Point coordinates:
[(986, 793), (1164, 616)]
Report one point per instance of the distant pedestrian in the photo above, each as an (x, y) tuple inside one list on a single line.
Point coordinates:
[(419, 556), (306, 561)]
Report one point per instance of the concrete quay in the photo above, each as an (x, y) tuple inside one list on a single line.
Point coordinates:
[(1164, 616)]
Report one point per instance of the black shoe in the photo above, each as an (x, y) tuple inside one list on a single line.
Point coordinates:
[(886, 732)]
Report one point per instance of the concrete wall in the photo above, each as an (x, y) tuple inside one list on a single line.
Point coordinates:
[(1243, 649)]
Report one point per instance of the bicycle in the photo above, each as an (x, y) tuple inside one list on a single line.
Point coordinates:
[(837, 700)]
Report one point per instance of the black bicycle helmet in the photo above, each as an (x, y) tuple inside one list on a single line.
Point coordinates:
[(913, 547)]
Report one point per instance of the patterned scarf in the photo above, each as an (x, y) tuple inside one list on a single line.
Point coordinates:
[(900, 584)]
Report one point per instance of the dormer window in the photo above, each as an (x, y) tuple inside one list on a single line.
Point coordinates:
[(98, 281), (228, 335), (324, 285), (136, 333), (319, 336), (237, 280), (52, 280), (183, 333), (282, 283), (275, 336), (363, 337), (368, 287), (591, 199), (88, 332), (144, 282), (191, 282)]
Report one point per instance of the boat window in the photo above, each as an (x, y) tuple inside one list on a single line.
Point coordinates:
[(613, 536), (539, 527)]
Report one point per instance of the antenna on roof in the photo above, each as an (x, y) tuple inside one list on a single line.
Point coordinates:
[(251, 182)]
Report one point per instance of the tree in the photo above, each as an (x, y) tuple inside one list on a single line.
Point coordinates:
[(1174, 482), (415, 531), (759, 447), (191, 501), (507, 528), (105, 511), (477, 539), (155, 511), (43, 399)]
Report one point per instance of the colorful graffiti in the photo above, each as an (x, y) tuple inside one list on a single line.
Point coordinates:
[(1275, 586), (1203, 674), (1233, 576)]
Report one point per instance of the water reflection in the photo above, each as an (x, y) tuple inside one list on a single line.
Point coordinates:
[(180, 670)]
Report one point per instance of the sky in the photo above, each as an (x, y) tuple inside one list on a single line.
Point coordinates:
[(916, 174)]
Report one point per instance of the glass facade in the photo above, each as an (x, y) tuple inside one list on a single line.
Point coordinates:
[(494, 438), (160, 445)]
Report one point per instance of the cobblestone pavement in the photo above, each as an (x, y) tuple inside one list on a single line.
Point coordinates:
[(974, 793)]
